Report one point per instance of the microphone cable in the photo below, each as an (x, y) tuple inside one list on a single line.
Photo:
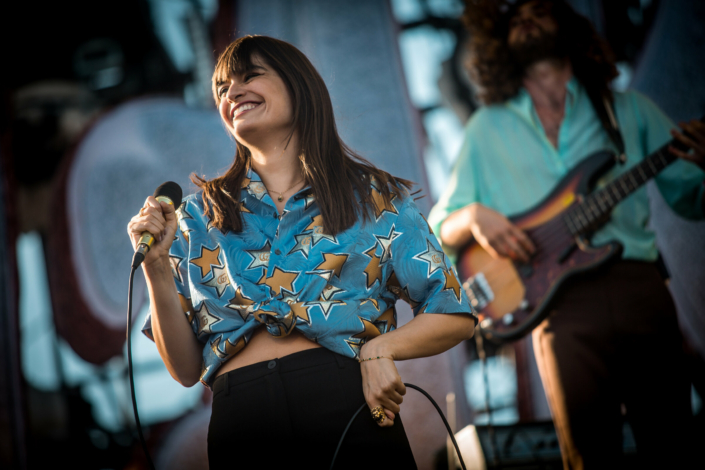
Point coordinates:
[(438, 408), (129, 363)]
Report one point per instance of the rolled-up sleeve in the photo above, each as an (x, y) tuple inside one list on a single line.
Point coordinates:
[(426, 279)]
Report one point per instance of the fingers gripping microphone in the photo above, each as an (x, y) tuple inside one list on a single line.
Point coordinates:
[(170, 193)]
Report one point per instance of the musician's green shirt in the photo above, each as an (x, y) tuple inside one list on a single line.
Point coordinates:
[(508, 164)]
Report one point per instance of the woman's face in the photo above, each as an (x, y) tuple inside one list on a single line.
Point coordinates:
[(255, 104)]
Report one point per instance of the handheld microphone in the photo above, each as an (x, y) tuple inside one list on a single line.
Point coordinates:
[(170, 193)]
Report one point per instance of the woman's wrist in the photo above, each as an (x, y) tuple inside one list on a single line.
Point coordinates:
[(376, 348), (157, 267)]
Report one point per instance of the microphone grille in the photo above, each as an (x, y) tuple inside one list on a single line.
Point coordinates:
[(170, 190)]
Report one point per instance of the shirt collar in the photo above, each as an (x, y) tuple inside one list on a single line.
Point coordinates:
[(252, 177), (521, 103)]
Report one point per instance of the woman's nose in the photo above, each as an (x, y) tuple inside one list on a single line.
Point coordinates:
[(234, 92)]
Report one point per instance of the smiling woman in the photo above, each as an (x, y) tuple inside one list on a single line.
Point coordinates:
[(284, 305)]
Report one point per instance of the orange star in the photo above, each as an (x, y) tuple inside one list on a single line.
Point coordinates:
[(316, 222), (332, 263), (370, 331), (186, 306), (207, 260), (279, 279), (300, 311), (373, 271), (381, 205), (231, 349), (452, 283), (374, 302), (388, 318)]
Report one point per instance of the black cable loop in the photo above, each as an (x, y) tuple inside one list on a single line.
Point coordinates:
[(129, 367), (438, 408)]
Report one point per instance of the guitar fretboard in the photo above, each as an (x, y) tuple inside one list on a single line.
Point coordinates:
[(592, 212)]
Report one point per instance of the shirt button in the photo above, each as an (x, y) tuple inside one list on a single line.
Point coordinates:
[(272, 364), (274, 214), (277, 251)]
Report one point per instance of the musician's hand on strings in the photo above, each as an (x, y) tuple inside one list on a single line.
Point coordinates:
[(498, 236), (695, 140)]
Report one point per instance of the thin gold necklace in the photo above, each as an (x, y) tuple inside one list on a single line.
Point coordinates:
[(281, 194)]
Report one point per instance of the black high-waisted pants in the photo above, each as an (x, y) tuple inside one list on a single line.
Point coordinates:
[(291, 412)]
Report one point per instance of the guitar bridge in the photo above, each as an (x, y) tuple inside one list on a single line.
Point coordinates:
[(478, 290)]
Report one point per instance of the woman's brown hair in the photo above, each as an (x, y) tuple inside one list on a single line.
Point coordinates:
[(333, 170), (497, 73)]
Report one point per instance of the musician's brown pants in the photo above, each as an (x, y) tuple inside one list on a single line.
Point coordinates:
[(613, 339)]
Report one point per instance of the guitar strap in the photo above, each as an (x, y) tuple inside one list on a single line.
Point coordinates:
[(602, 103)]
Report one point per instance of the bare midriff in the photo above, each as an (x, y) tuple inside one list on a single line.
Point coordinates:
[(264, 347)]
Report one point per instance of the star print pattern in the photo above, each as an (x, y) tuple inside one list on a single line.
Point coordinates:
[(207, 260), (303, 244), (452, 283), (240, 303), (315, 228), (434, 257), (381, 206), (220, 280), (329, 291), (175, 261), (373, 271), (206, 320), (279, 280), (332, 265), (260, 258), (286, 273), (386, 244)]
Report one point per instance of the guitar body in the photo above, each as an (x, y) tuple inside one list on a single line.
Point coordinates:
[(513, 298)]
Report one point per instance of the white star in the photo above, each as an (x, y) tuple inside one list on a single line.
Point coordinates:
[(206, 319), (257, 189), (220, 280), (303, 244), (330, 291), (309, 199), (175, 262), (386, 243), (434, 258), (317, 235), (260, 258)]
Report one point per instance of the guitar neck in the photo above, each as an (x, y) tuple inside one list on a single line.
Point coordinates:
[(594, 209)]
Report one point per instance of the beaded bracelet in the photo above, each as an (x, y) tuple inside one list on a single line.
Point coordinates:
[(372, 358)]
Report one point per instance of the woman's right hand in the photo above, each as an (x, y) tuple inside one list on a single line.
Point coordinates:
[(159, 219), (497, 235)]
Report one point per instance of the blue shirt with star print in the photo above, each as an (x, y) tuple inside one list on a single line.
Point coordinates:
[(283, 272)]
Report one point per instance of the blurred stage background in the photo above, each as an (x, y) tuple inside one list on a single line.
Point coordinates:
[(102, 102)]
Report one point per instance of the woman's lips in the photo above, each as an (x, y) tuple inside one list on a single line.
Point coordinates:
[(244, 107)]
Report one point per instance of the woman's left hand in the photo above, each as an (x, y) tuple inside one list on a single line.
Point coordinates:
[(382, 386), (695, 140)]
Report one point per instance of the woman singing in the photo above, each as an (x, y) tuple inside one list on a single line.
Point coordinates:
[(275, 284)]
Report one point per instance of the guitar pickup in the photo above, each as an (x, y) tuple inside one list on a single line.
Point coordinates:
[(478, 290)]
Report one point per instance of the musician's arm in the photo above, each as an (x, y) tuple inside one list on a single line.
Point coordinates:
[(492, 230), (680, 184)]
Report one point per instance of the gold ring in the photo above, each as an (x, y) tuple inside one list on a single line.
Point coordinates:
[(378, 414), (142, 211)]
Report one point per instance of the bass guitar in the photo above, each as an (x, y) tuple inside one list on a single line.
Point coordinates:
[(514, 297)]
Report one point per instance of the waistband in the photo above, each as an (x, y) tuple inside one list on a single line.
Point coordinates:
[(292, 362)]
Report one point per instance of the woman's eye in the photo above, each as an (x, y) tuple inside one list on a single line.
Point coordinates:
[(222, 91), (250, 76)]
